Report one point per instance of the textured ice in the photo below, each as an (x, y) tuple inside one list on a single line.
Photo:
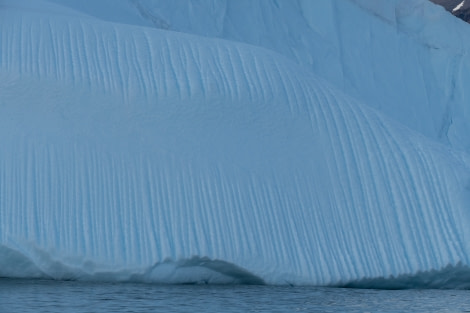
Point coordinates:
[(405, 58), (129, 153)]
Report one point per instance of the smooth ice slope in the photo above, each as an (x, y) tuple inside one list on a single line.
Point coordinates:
[(405, 58), (128, 153)]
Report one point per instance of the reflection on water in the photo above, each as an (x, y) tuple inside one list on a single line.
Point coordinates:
[(68, 296)]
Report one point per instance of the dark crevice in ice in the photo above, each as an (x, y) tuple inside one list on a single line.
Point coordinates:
[(450, 277)]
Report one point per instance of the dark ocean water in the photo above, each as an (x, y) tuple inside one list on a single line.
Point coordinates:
[(69, 296)]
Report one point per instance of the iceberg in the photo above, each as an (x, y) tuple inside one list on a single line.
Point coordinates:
[(129, 153)]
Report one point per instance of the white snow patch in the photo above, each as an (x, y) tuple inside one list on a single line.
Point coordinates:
[(458, 7)]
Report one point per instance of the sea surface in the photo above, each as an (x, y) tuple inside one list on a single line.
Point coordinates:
[(71, 296)]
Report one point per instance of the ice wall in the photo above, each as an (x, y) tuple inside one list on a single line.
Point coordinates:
[(405, 58), (128, 153)]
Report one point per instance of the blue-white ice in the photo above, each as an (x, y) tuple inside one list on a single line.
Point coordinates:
[(405, 58), (131, 153)]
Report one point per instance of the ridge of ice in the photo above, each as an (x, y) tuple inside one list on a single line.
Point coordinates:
[(405, 58)]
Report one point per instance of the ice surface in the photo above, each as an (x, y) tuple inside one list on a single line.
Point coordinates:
[(129, 153), (405, 58)]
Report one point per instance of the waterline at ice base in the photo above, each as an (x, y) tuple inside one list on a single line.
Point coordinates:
[(130, 153)]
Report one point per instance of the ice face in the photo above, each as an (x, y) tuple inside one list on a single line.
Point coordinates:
[(129, 153), (405, 58)]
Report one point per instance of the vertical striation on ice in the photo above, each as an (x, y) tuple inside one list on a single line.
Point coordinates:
[(123, 149)]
